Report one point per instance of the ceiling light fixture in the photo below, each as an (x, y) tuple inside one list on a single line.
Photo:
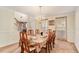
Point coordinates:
[(40, 12)]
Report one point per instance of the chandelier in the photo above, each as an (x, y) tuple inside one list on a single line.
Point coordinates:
[(40, 12)]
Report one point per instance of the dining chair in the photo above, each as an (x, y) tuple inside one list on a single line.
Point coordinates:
[(30, 32), (24, 43), (48, 45), (37, 31), (53, 38)]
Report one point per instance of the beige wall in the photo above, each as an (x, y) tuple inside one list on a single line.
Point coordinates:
[(71, 27), (8, 32), (77, 28)]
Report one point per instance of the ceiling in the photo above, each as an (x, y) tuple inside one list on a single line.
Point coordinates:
[(46, 10)]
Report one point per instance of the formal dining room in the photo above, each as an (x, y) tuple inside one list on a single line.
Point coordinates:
[(39, 29)]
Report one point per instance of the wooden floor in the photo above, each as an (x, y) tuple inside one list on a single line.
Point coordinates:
[(60, 47)]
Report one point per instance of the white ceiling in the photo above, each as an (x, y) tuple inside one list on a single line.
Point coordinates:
[(46, 10)]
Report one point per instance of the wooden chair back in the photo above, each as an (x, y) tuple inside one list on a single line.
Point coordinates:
[(53, 38), (24, 42), (30, 32), (37, 31)]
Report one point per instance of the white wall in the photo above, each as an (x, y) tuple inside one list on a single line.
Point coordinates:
[(70, 25), (8, 32), (77, 28)]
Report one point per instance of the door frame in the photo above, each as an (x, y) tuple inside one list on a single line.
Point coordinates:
[(66, 23)]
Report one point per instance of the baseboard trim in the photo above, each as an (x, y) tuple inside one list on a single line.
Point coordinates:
[(9, 45), (77, 48), (74, 46)]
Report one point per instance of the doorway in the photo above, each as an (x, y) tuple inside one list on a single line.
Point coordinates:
[(61, 28)]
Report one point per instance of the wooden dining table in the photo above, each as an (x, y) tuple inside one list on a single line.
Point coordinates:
[(39, 40)]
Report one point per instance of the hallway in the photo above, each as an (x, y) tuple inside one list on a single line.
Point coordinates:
[(60, 47)]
